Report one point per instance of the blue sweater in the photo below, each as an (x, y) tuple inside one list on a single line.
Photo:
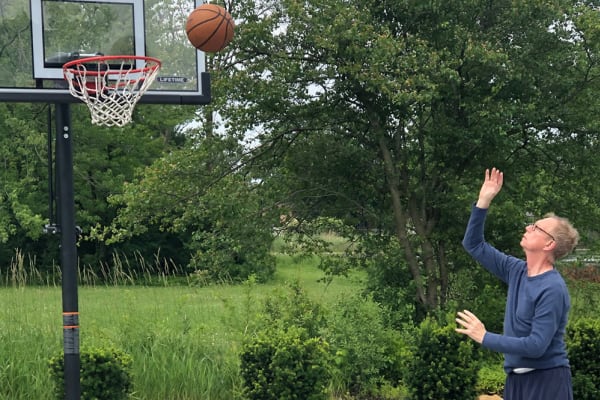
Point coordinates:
[(537, 307)]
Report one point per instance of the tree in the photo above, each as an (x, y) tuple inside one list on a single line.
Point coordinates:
[(107, 158), (194, 193), (399, 106), (23, 190), (103, 160)]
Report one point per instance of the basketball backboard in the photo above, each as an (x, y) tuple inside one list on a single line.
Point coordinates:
[(38, 36)]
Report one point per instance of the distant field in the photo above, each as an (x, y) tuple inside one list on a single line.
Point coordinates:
[(183, 340)]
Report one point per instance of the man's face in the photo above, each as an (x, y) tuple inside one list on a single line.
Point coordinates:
[(539, 234)]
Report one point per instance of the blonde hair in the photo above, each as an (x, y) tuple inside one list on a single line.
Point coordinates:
[(565, 235)]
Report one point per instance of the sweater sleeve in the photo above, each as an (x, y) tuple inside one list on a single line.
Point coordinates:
[(474, 243)]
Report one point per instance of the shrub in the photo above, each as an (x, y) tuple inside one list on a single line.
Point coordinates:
[(583, 345), (491, 301), (286, 358), (105, 374), (442, 364), (491, 379), (365, 351), (284, 364), (584, 387), (581, 271), (294, 308), (388, 279)]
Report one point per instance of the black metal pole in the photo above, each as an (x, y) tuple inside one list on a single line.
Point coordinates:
[(49, 155), (68, 250)]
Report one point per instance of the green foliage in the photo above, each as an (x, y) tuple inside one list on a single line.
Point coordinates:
[(443, 364), (181, 337), (23, 179), (217, 212), (365, 351), (585, 299), (413, 100), (286, 358), (389, 280), (104, 158), (491, 301), (284, 364), (293, 307), (105, 374), (583, 347), (491, 379), (585, 387)]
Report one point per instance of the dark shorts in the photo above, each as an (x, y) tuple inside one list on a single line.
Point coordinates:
[(540, 384)]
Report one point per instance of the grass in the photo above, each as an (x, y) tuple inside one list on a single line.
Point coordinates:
[(181, 339), (184, 340), (30, 327)]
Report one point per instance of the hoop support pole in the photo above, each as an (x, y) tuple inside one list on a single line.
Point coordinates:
[(68, 250)]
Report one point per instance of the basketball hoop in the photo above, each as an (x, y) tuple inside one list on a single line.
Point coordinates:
[(110, 85)]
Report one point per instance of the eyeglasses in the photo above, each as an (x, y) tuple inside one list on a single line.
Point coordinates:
[(537, 228)]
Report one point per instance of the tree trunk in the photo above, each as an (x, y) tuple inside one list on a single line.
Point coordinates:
[(401, 223)]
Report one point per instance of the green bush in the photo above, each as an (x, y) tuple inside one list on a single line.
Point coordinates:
[(365, 351), (583, 345), (294, 308), (286, 358), (491, 379), (584, 387), (442, 365), (490, 301), (105, 374), (388, 279), (284, 364)]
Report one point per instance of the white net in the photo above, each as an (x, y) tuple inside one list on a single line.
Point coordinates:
[(111, 85)]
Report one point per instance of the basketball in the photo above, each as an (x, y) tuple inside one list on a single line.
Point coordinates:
[(209, 28)]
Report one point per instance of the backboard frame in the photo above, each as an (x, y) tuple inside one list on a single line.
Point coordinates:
[(47, 85)]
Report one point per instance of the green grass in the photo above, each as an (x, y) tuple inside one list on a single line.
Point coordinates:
[(30, 328), (183, 340)]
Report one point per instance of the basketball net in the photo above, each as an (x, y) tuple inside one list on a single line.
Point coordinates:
[(110, 85)]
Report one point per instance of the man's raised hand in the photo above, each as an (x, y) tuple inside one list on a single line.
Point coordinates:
[(492, 184)]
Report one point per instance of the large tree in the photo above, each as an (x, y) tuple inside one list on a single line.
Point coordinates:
[(385, 113), (104, 158)]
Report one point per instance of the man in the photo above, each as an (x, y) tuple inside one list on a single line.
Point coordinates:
[(537, 305)]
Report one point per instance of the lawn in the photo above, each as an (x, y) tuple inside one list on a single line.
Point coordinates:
[(183, 339)]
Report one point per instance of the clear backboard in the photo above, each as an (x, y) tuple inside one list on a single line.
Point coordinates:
[(38, 36)]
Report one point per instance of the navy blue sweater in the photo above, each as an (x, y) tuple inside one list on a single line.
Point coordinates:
[(537, 307)]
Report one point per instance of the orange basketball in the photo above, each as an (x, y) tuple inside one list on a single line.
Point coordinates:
[(209, 28)]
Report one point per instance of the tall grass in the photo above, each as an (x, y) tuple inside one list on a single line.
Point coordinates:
[(22, 271), (184, 340), (30, 329), (121, 271)]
